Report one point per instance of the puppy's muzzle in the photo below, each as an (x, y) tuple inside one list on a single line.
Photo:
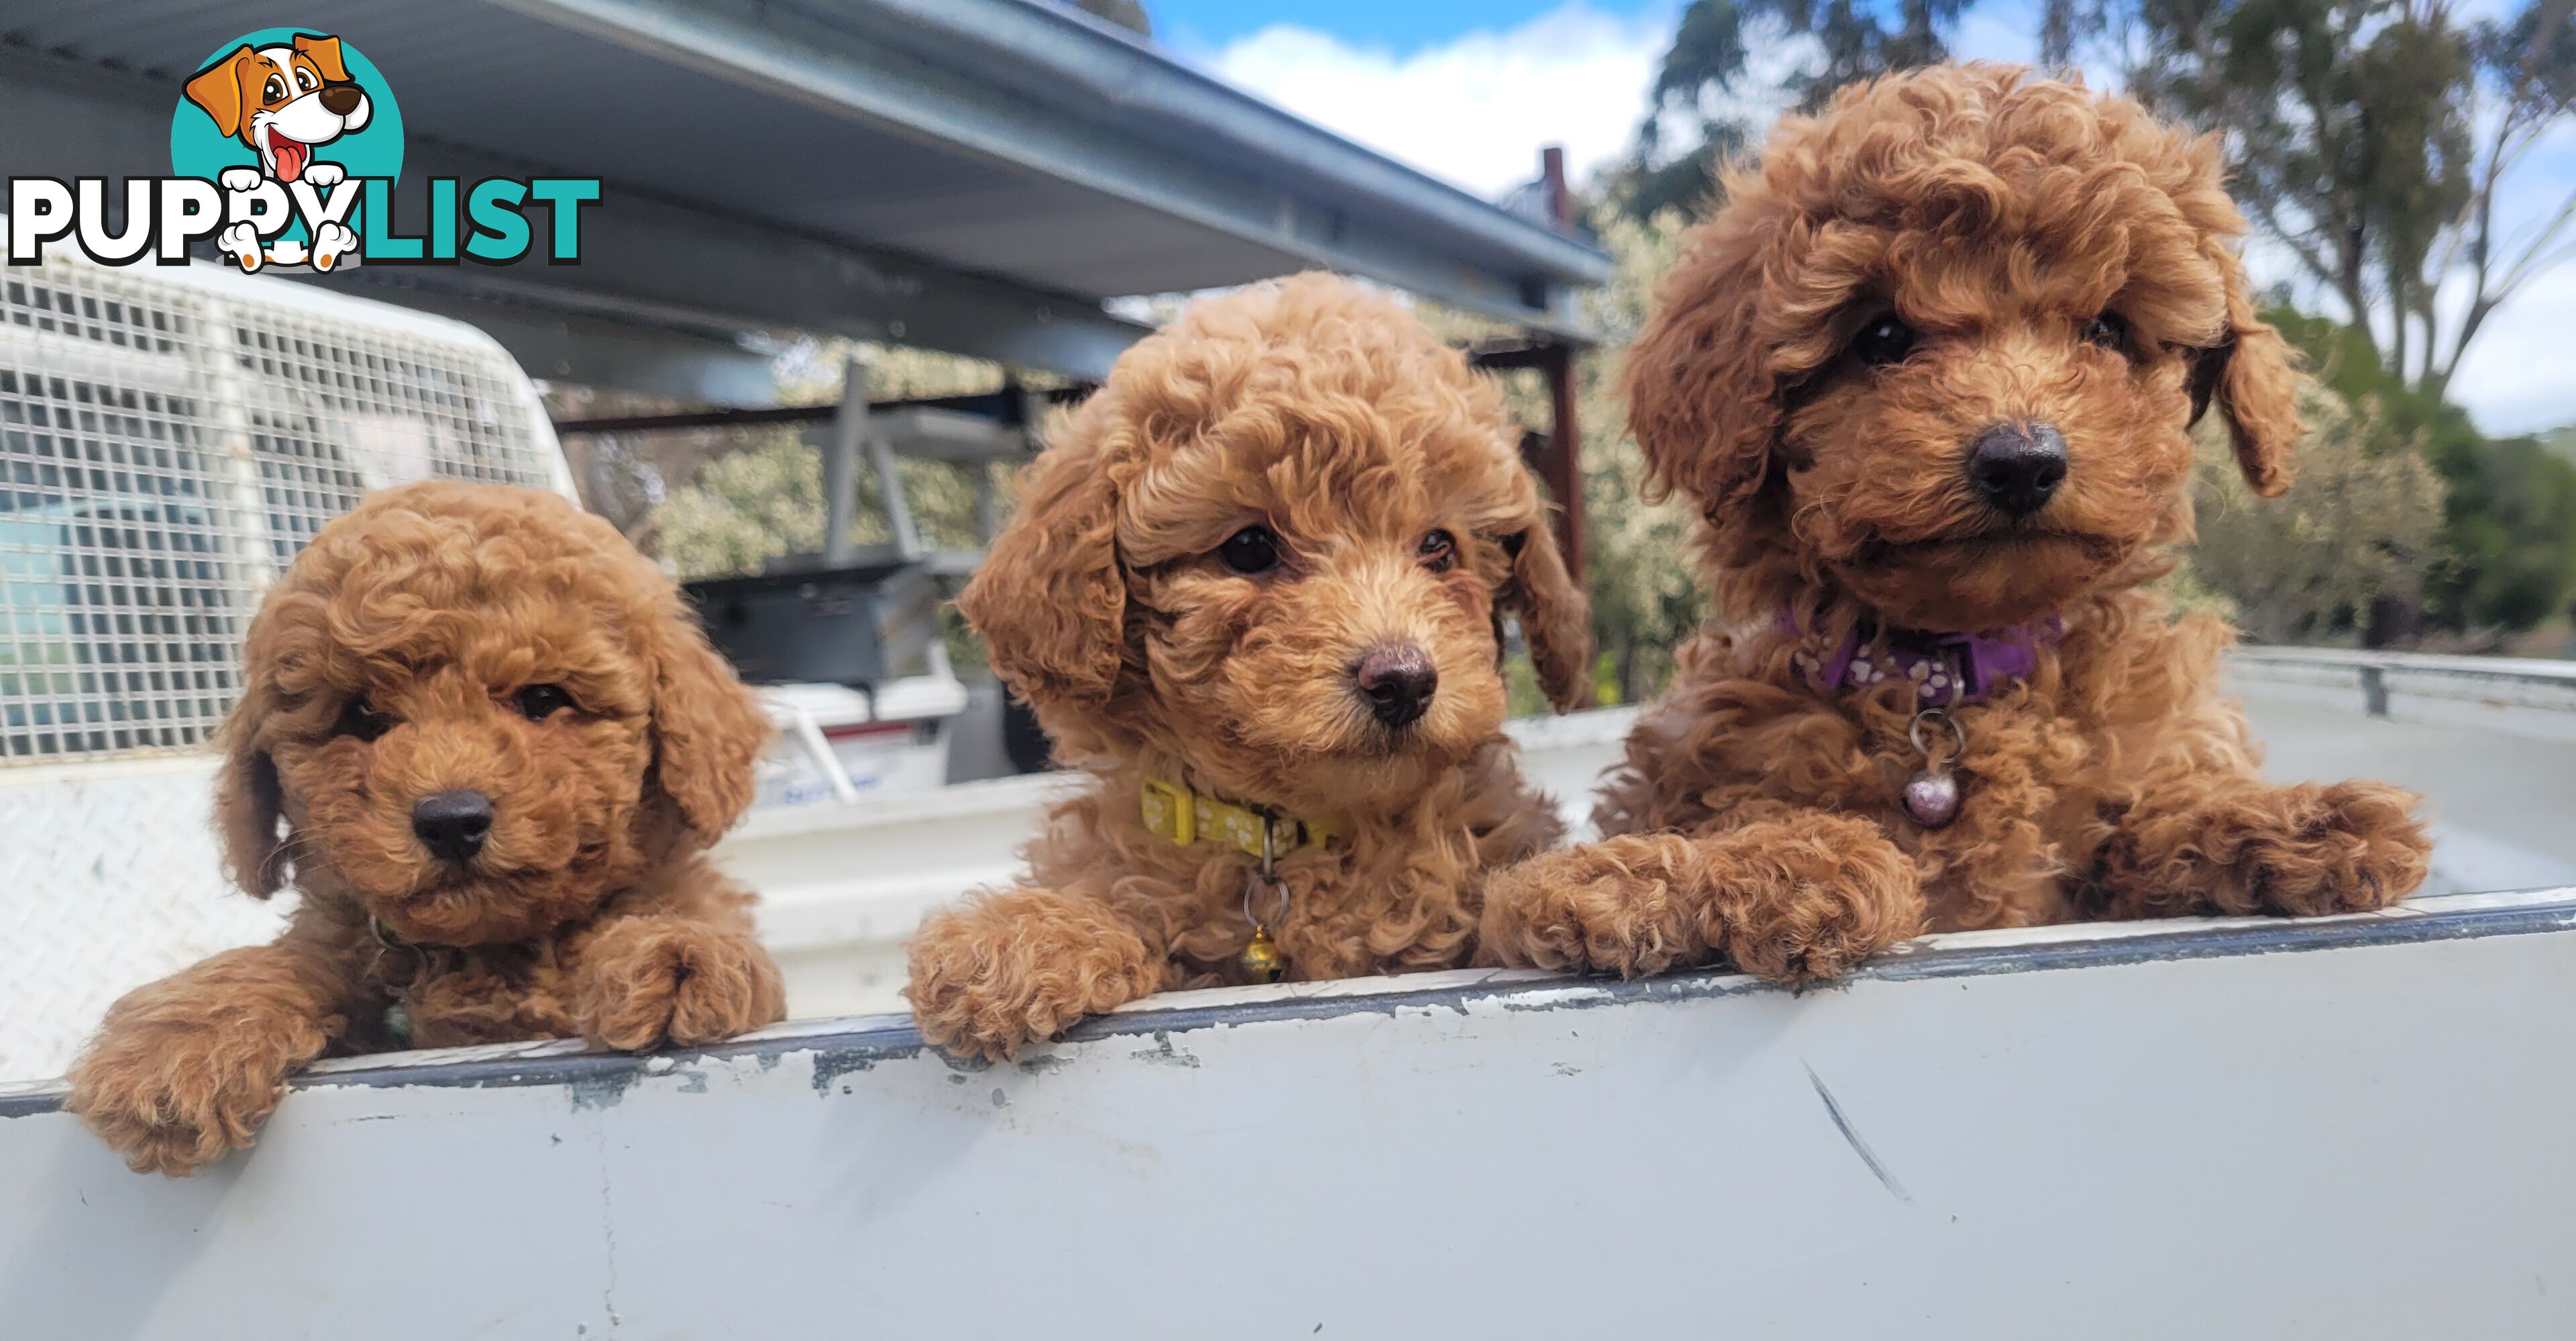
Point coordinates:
[(453, 825), (2016, 468), (1398, 682)]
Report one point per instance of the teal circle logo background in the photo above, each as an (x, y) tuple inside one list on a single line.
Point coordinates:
[(199, 148)]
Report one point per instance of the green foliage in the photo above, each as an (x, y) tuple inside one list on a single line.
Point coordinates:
[(1637, 566), (2189, 595), (746, 507), (2512, 546), (2360, 525), (2507, 553), (764, 499), (1521, 695), (1645, 599)]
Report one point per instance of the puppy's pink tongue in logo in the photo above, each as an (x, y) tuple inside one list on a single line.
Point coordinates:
[(290, 154)]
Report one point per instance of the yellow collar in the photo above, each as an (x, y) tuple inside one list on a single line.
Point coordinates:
[(1185, 817)]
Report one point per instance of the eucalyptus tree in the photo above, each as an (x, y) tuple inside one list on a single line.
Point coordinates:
[(2378, 141)]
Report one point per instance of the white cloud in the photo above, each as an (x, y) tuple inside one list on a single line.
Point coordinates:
[(2520, 374), (1999, 30), (1475, 110)]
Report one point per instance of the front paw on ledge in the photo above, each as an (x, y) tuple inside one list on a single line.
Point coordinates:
[(2348, 847), (648, 982), (172, 1099)]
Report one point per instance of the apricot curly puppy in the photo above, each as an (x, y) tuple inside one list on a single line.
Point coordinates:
[(1259, 582), (496, 744), (1929, 375)]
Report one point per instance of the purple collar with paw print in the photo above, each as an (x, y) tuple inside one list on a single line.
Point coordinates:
[(1946, 668)]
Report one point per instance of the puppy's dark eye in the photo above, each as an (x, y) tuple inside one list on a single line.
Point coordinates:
[(274, 90), (2107, 330), (1882, 342), (304, 80), (1439, 551), (359, 718), (1251, 550), (541, 701)]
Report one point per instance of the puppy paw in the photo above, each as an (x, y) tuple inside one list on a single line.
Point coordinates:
[(645, 980), (239, 179), (1002, 970), (324, 175), (171, 1096), (1609, 907), (2310, 850), (1792, 900), (1819, 894)]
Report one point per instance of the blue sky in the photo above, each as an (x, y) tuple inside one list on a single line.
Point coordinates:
[(1401, 27), (1469, 90)]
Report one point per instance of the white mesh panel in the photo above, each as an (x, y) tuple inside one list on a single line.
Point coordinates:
[(168, 441)]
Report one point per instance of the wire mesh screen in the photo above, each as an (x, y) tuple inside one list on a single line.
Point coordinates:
[(167, 444)]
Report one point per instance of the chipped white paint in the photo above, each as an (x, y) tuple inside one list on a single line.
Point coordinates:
[(2223, 1129)]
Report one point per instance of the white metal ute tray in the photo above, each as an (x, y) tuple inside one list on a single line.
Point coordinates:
[(2163, 1129)]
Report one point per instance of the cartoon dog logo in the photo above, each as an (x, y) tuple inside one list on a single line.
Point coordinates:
[(284, 101)]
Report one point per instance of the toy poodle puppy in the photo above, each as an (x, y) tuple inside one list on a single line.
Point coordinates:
[(1929, 375), (488, 745), (1256, 589)]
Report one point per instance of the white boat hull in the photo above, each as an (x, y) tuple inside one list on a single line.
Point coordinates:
[(2348, 1128)]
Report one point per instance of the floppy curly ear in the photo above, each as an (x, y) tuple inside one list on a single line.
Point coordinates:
[(1050, 600), (708, 730), (2251, 374), (1702, 399), (249, 804), (1556, 620)]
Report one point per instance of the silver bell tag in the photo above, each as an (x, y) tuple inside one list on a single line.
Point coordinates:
[(1931, 796)]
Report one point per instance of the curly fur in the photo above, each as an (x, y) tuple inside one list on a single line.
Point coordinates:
[(1330, 415), (1998, 215), (589, 911)]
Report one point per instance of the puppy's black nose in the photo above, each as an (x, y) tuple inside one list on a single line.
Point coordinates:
[(453, 825), (340, 99), (2016, 467), (1397, 681)]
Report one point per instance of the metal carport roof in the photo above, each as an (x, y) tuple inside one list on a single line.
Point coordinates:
[(975, 175)]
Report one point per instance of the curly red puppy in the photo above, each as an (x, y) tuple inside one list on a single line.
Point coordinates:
[(1259, 581), (483, 736), (1929, 375)]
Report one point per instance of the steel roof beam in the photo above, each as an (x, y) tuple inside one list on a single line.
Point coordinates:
[(658, 285), (1039, 89)]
